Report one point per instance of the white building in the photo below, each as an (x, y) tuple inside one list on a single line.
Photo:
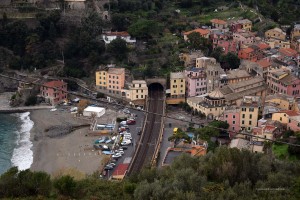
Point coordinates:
[(90, 110), (108, 37)]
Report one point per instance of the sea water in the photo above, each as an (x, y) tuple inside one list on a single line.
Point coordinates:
[(15, 144)]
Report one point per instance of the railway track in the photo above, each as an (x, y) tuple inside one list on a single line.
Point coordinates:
[(149, 138)]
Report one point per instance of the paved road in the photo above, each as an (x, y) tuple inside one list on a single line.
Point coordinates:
[(135, 138)]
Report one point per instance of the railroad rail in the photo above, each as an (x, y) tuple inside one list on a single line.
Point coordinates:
[(151, 132)]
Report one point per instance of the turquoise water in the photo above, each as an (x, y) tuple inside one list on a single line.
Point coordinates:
[(15, 144)]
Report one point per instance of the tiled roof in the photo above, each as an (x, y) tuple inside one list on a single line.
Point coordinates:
[(123, 33), (289, 79), (198, 30), (55, 84), (264, 63), (263, 46), (175, 75), (290, 113), (288, 52), (117, 71), (247, 50), (238, 73), (246, 83), (218, 21)]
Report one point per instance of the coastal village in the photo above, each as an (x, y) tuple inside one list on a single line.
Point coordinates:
[(259, 100), (236, 87)]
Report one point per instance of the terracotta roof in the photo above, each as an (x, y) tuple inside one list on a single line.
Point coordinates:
[(117, 71), (120, 170), (198, 30), (247, 50), (216, 94), (55, 84), (290, 113), (288, 52), (289, 80), (264, 63), (263, 46), (123, 33), (218, 21)]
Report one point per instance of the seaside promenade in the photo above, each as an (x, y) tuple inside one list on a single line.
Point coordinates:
[(4, 109)]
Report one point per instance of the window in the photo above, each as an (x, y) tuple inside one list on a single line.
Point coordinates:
[(251, 109), (113, 82), (137, 91), (140, 85), (233, 122), (113, 77), (250, 122), (280, 118), (181, 85), (243, 116), (137, 96), (233, 116), (243, 122), (117, 77), (243, 109), (290, 120), (117, 82), (142, 96), (181, 91), (174, 91), (250, 116), (233, 128), (174, 81), (109, 81), (181, 80), (226, 116), (109, 76), (117, 87)]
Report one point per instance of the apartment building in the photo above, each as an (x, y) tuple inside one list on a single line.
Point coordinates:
[(177, 84), (249, 112), (110, 80), (54, 96), (195, 82), (137, 91)]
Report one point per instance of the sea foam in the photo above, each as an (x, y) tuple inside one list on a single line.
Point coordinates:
[(22, 155)]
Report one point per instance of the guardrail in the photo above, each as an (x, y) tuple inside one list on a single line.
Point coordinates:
[(155, 155)]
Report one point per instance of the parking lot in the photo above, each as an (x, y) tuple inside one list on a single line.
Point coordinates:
[(128, 153)]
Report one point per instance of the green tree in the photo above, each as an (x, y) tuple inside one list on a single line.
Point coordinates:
[(196, 41), (217, 53), (144, 28), (65, 185), (31, 101), (119, 21), (230, 61), (118, 48)]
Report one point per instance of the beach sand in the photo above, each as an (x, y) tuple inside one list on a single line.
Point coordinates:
[(74, 150)]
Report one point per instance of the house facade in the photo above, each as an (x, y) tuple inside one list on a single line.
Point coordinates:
[(231, 115), (177, 85), (195, 82), (137, 91), (275, 33), (111, 80), (203, 33), (219, 24), (249, 112), (54, 96), (109, 37)]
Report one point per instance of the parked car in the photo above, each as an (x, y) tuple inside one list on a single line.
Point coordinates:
[(123, 123), (112, 164), (127, 138), (108, 165), (116, 155), (125, 142), (124, 147), (130, 122), (126, 111), (139, 133)]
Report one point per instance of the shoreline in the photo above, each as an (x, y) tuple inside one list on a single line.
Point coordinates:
[(56, 155)]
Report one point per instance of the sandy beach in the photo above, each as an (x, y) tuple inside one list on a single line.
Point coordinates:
[(73, 150)]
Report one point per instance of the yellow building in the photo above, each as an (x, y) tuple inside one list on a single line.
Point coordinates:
[(249, 112), (246, 24), (110, 80), (101, 79), (278, 43), (275, 33), (282, 101), (211, 105), (283, 116), (177, 85), (137, 90)]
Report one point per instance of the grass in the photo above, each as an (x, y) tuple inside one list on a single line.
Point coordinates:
[(281, 152)]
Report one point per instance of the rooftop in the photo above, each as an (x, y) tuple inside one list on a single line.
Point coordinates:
[(218, 21), (123, 33), (280, 96), (263, 46), (240, 144), (247, 50), (246, 83), (139, 82), (120, 170), (198, 30), (288, 52), (237, 73), (289, 79), (290, 113), (117, 71), (216, 94), (55, 84), (264, 63), (244, 21), (177, 75)]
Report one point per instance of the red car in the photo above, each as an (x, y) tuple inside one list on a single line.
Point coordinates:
[(130, 122)]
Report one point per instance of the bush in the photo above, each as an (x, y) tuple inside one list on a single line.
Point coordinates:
[(31, 101), (100, 95)]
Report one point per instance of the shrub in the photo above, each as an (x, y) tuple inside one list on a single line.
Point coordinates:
[(30, 101)]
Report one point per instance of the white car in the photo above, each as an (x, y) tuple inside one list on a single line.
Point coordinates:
[(123, 123), (120, 152), (116, 155), (126, 142), (127, 138)]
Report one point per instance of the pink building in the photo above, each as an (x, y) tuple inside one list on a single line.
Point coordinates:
[(232, 117), (195, 82), (244, 38), (228, 46), (280, 81), (52, 95)]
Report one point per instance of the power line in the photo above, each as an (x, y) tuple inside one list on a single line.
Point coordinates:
[(145, 111)]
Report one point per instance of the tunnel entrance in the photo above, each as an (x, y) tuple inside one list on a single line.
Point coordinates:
[(156, 90)]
